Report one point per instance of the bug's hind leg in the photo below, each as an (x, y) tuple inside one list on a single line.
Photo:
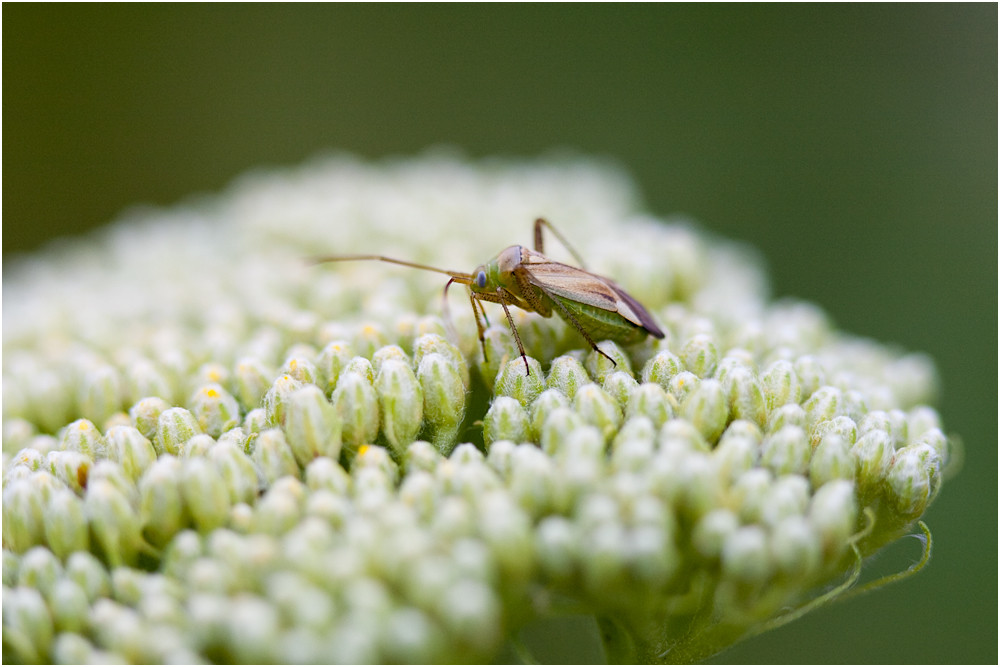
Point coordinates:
[(540, 243)]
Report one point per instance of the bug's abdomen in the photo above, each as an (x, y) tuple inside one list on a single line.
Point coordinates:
[(602, 324)]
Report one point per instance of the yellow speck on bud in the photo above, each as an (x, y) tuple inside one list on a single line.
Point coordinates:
[(211, 393), (362, 449)]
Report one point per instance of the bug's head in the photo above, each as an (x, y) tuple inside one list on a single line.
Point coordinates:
[(480, 279)]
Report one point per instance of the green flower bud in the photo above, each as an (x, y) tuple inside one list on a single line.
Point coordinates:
[(421, 455), (913, 479), (325, 473), (444, 400), (312, 427), (500, 351), (745, 395), (331, 361), (824, 403), (130, 449), (28, 628), (70, 467), (277, 396), (278, 511), (100, 393), (143, 378), (832, 459), (567, 375), (362, 367), (39, 569), (633, 445), (920, 420), (547, 402), (599, 366), (401, 402), (707, 409), (174, 427), (72, 649), (433, 343), (811, 374), (833, 512), (515, 381), (681, 386), (795, 547), (558, 547), (197, 446), (874, 453), (69, 606), (532, 482), (700, 356), (146, 413), (787, 496), (389, 353), (598, 409), (661, 369), (750, 492), (619, 386), (679, 435), (841, 426), (507, 532), (251, 379), (255, 422), (89, 574), (470, 610), (745, 556), (787, 415), (205, 494), (937, 441), (273, 456), (65, 523), (83, 437), (301, 368), (781, 385), (505, 420), (237, 471), (161, 505), (735, 454), (558, 429), (368, 338), (113, 523), (712, 531), (356, 402), (215, 410), (650, 400), (786, 451)]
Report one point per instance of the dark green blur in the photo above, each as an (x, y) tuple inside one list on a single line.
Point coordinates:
[(855, 146)]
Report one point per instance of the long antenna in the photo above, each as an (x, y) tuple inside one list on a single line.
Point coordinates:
[(457, 276)]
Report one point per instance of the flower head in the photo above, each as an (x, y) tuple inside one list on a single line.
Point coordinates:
[(216, 451)]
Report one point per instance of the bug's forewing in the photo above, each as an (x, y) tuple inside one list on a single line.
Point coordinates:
[(585, 287)]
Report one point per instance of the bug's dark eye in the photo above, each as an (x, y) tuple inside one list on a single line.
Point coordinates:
[(481, 279)]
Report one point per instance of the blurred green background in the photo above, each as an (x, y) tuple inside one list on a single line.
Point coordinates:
[(855, 146)]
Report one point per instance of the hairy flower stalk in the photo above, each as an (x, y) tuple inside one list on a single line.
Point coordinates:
[(215, 451)]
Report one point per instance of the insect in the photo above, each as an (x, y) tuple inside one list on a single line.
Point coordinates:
[(595, 306)]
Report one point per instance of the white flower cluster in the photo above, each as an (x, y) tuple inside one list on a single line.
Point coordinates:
[(214, 450)]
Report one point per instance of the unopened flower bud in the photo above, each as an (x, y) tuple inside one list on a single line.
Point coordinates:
[(515, 381), (444, 400), (707, 409), (161, 505), (401, 403), (600, 366), (356, 403), (874, 453), (83, 437), (331, 361), (113, 523), (277, 396), (100, 393), (146, 413), (251, 379), (620, 385), (273, 456), (505, 420), (174, 427), (66, 528), (661, 369), (567, 375), (205, 494), (786, 451), (598, 409), (130, 449), (215, 410), (312, 427), (832, 459)]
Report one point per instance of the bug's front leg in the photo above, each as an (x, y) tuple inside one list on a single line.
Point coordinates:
[(502, 297)]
